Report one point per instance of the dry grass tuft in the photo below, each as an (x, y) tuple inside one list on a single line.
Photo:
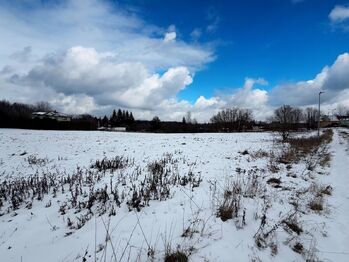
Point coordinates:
[(317, 203), (298, 248), (274, 182), (231, 204), (177, 256), (259, 154), (293, 225)]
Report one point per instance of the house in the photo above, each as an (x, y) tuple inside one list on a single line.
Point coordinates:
[(118, 129), (112, 129), (343, 121), (329, 123), (60, 117)]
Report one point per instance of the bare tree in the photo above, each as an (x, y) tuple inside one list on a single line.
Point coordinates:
[(288, 119), (311, 115), (43, 107), (188, 119), (297, 115), (342, 111), (233, 119)]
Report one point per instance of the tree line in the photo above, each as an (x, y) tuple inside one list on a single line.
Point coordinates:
[(19, 115), (286, 118)]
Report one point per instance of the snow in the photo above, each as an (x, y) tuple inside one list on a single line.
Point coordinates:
[(335, 246), (39, 233)]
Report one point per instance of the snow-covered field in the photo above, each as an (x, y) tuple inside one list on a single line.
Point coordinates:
[(164, 195)]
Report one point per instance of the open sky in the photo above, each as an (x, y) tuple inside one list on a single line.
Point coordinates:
[(166, 58)]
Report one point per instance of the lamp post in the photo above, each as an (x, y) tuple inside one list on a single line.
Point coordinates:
[(318, 120)]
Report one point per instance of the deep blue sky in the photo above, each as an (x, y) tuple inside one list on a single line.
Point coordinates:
[(279, 40)]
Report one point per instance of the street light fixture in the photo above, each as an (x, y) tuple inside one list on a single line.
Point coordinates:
[(318, 121)]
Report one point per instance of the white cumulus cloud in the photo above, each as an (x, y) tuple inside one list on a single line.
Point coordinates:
[(334, 80), (339, 13), (170, 37), (99, 57), (85, 72)]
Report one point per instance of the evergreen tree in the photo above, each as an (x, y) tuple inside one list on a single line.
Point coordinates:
[(105, 121), (131, 118), (119, 116), (155, 123), (113, 119), (127, 117), (123, 116)]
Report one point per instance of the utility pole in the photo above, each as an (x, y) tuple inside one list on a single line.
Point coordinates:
[(318, 120)]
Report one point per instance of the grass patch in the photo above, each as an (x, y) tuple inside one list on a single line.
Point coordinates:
[(300, 147)]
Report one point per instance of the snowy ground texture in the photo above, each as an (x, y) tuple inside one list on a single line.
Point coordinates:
[(205, 197)]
